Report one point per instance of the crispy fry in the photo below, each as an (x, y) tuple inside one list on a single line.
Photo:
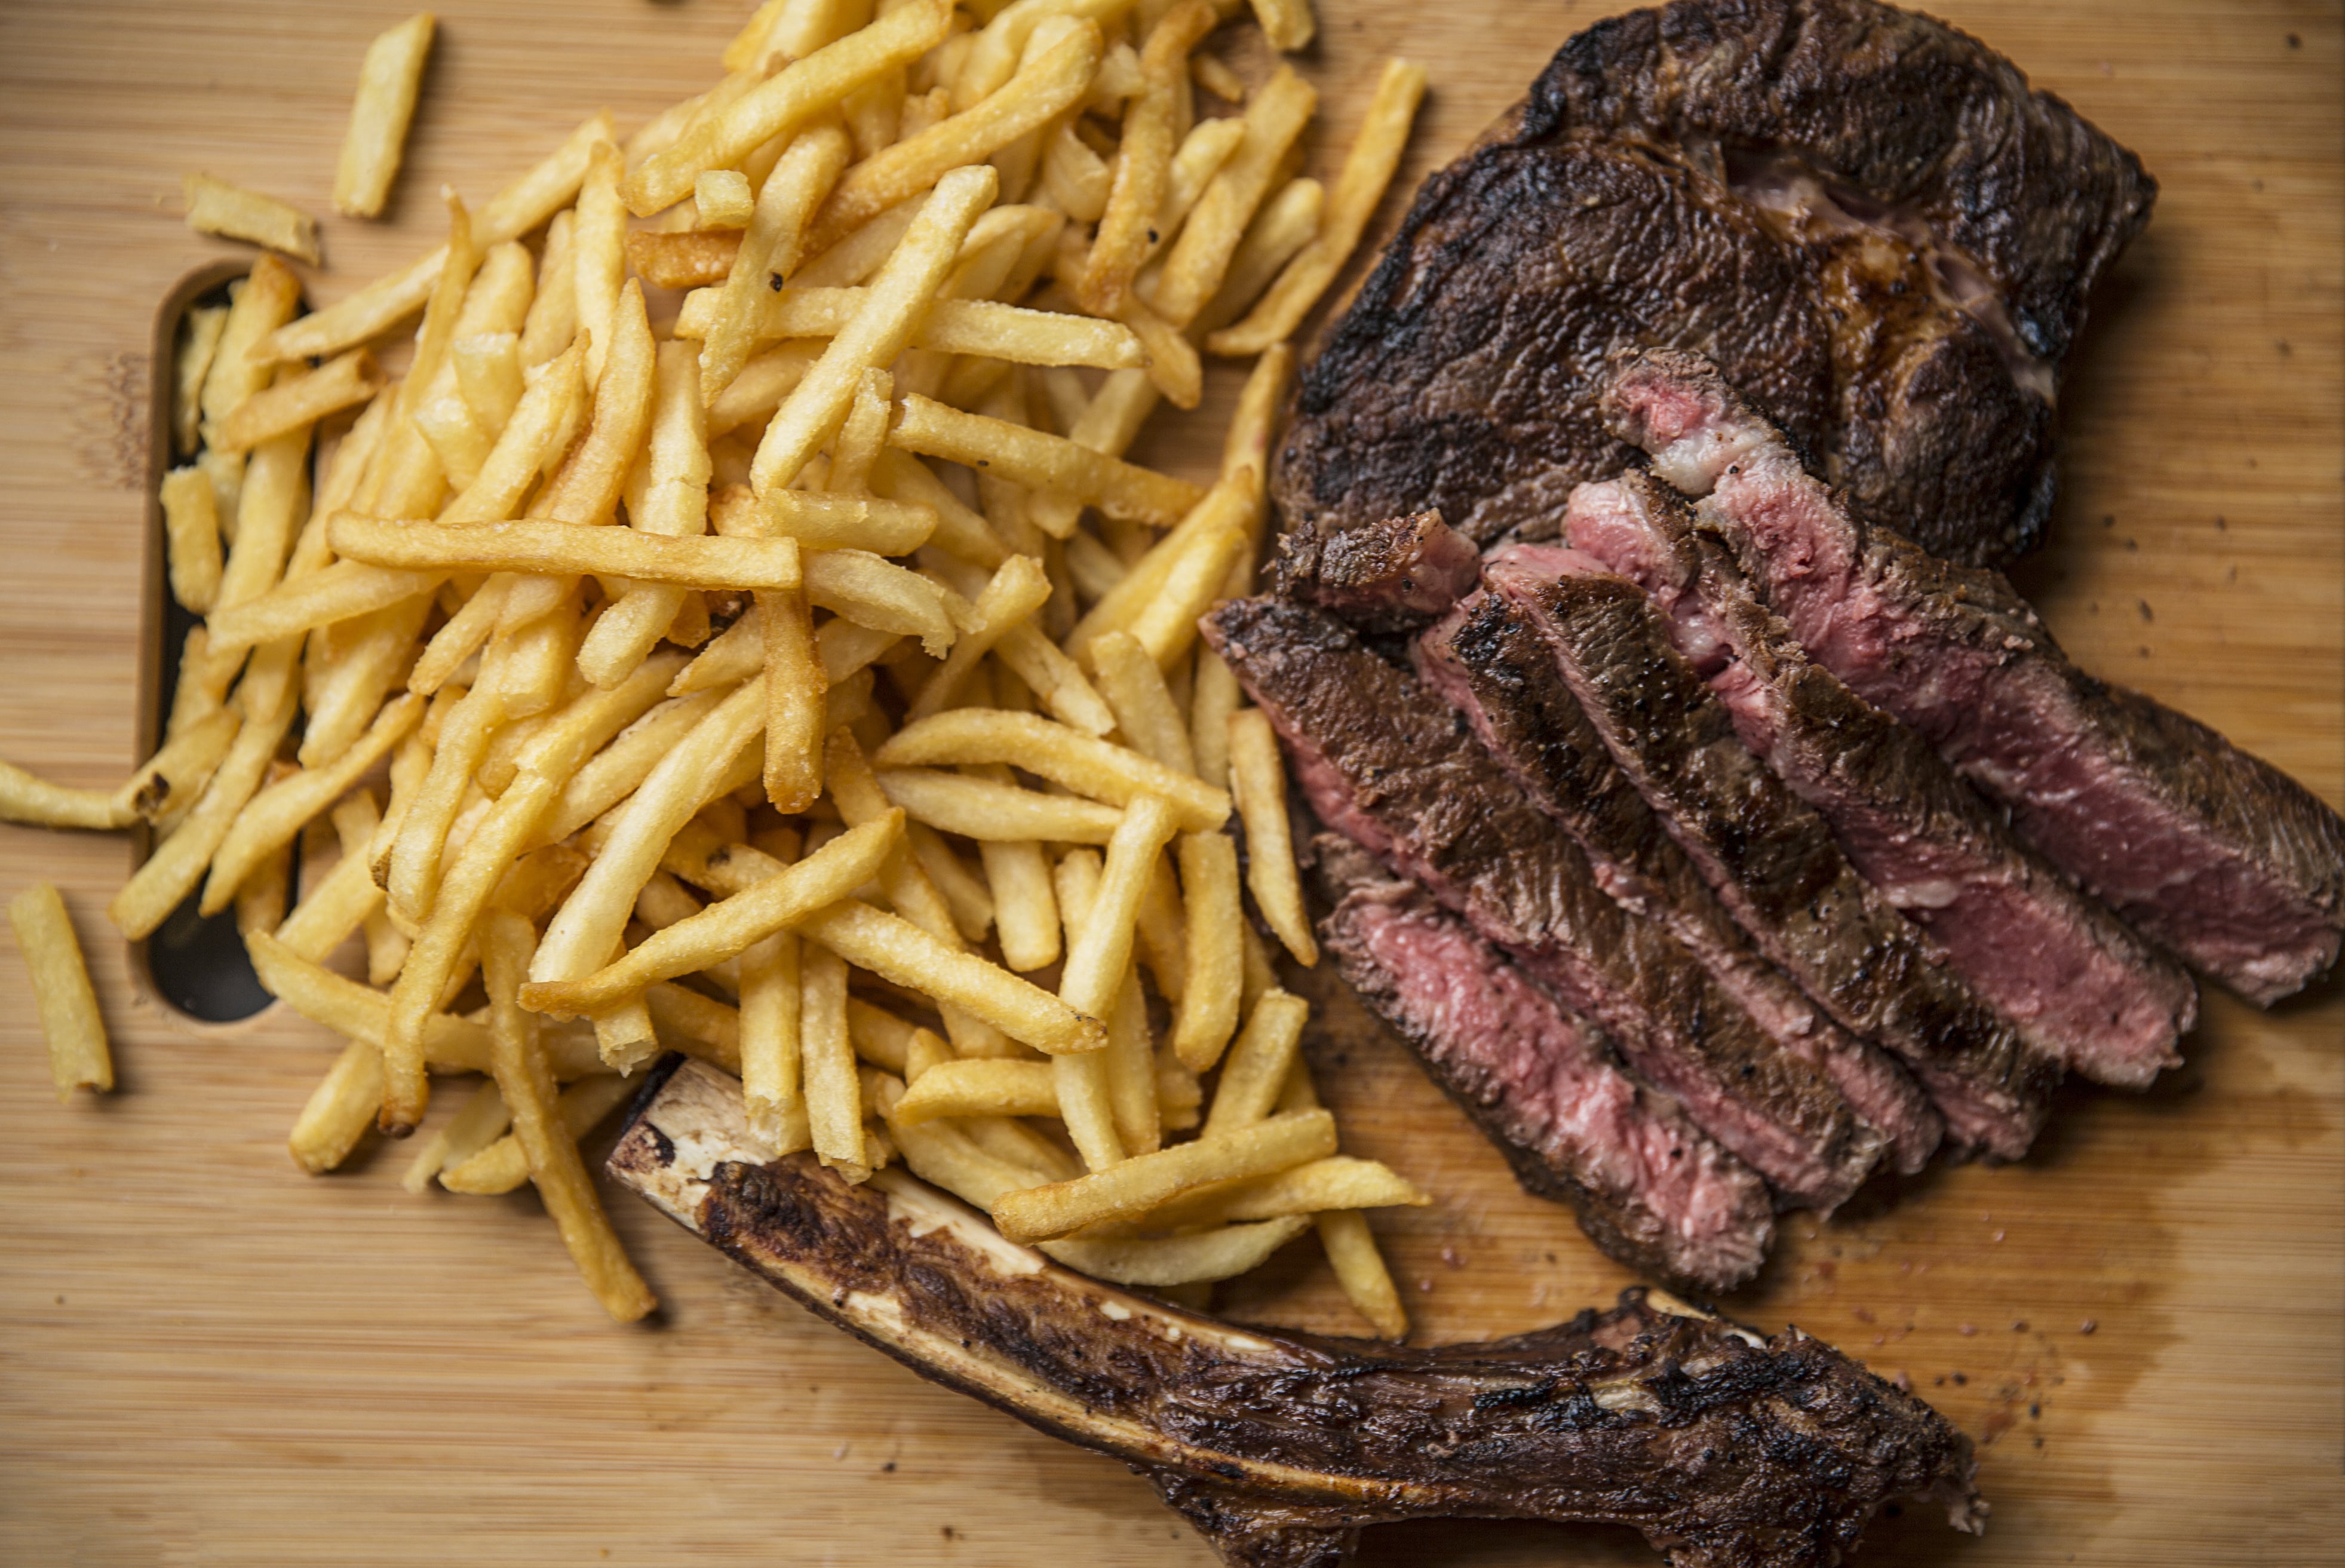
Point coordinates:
[(1333, 1184), (37, 801), (978, 1089), (1163, 1261), (666, 495), (1144, 709), (67, 1004), (771, 247), (965, 895), (1224, 510), (832, 1093), (723, 199), (192, 536), (1143, 1182), (503, 1165), (1258, 783), (1081, 1084), (875, 593), (232, 213), (199, 340), (1097, 961), (553, 405), (943, 1156), (987, 328), (347, 1007), (551, 325), (1258, 1064), (1208, 1008), (1288, 25), (1054, 678), (479, 1122), (1088, 766), (172, 779), (1143, 158), (1287, 222), (1032, 458), (339, 1110), (273, 817), (988, 811), (587, 486), (1131, 1062), (898, 951), (388, 80), (1360, 1268), (1015, 592), (1201, 257), (553, 548)]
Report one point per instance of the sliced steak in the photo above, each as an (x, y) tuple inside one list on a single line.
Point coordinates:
[(1649, 1188), (1725, 1448), (1771, 859), (1865, 218), (2076, 981), (1493, 665), (2218, 856), (1391, 575)]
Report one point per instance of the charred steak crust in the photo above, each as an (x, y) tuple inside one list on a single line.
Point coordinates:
[(1867, 218), (1649, 1187), (2078, 983), (1384, 763), (1773, 861), (1494, 667), (1391, 575), (1725, 1450), (2214, 854)]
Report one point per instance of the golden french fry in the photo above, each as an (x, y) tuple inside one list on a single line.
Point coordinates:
[(1360, 1268), (1200, 259), (943, 1156), (62, 994), (1258, 1064), (331, 910), (730, 927), (552, 322), (489, 374), (1131, 1062), (881, 329), (273, 817), (824, 522), (965, 893), (1040, 461), (552, 404), (723, 199), (359, 1011), (666, 495), (961, 533), (1287, 222), (1143, 158), (1081, 1084), (41, 804), (1162, 933), (1207, 1012), (997, 1089), (1229, 506), (832, 1093), (901, 952), (303, 400), (232, 213), (1087, 766), (1131, 1189), (683, 259), (1247, 446), (192, 537), (981, 327), (1098, 958), (771, 1036), (773, 246), (480, 1122), (199, 340), (1208, 146), (388, 80), (1209, 72), (1076, 177), (1367, 169), (1018, 588), (752, 396), (504, 1164), (587, 486), (1287, 25), (1258, 783), (173, 777), (1172, 362), (1134, 686), (557, 548), (879, 595), (616, 771), (1334, 1184), (986, 811), (1160, 1261), (339, 1110), (1054, 678), (797, 699)]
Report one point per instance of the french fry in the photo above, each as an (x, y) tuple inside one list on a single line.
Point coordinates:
[(832, 1093), (558, 548), (824, 522), (1077, 178), (232, 213), (1287, 222), (943, 1156), (1144, 710), (1199, 262), (41, 804), (1207, 1012), (503, 1165), (770, 1032), (1246, 448), (192, 537), (986, 811), (1161, 1261), (666, 495), (1163, 931), (902, 953), (273, 817), (1166, 627), (1039, 460), (961, 533), (1258, 1064), (997, 1089), (340, 1111), (1333, 1184), (882, 327), (1055, 679), (552, 322), (1131, 1189), (518, 1060), (771, 247), (479, 1122), (965, 893), (199, 340), (587, 486), (1143, 158), (683, 259), (489, 375), (1229, 507), (1287, 25), (331, 910), (730, 927), (359, 1011), (1016, 590), (552, 404), (67, 1004), (1131, 1062), (1088, 766), (176, 774), (1367, 169), (1172, 362), (723, 199), (616, 771), (1209, 72), (1258, 783), (765, 379), (876, 594), (1097, 959), (986, 328), (1360, 1269), (598, 254), (388, 80)]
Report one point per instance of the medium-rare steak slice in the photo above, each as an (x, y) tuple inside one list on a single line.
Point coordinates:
[(1389, 766), (2078, 983), (2217, 855), (1725, 1450), (1649, 1188), (1865, 218), (1391, 576), (1494, 667), (1771, 859)]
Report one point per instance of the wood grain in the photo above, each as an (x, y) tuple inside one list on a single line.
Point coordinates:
[(205, 1356)]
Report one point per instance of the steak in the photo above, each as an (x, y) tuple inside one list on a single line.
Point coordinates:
[(1391, 576), (1724, 1449), (1385, 763), (1770, 857), (2076, 981), (2216, 855), (1649, 1188), (1866, 219), (1495, 668)]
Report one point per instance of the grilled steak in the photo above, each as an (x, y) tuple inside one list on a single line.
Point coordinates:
[(1725, 1450), (1495, 668), (1391, 576), (2219, 857), (1384, 763), (1771, 859), (1649, 1188), (1866, 219), (2076, 980)]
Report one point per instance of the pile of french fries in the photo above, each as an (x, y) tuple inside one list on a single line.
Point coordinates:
[(801, 680)]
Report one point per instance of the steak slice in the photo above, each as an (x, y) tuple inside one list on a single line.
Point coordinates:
[(1494, 667), (1724, 1449), (2078, 983), (1649, 1187), (2215, 854), (1773, 861), (1865, 218), (1387, 765), (1391, 575)]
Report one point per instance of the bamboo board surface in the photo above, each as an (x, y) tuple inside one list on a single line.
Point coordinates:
[(207, 1357)]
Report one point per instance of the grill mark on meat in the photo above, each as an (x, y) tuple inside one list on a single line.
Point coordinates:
[(1723, 1448), (1866, 219), (1494, 667), (1386, 764), (2213, 853), (1773, 862), (1648, 1186), (2076, 981), (1393, 576)]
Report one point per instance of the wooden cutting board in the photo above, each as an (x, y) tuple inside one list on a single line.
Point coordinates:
[(206, 1356)]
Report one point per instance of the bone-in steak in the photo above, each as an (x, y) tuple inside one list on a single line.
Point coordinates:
[(1384, 763), (1725, 1450), (2076, 981), (2218, 856), (1865, 218)]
